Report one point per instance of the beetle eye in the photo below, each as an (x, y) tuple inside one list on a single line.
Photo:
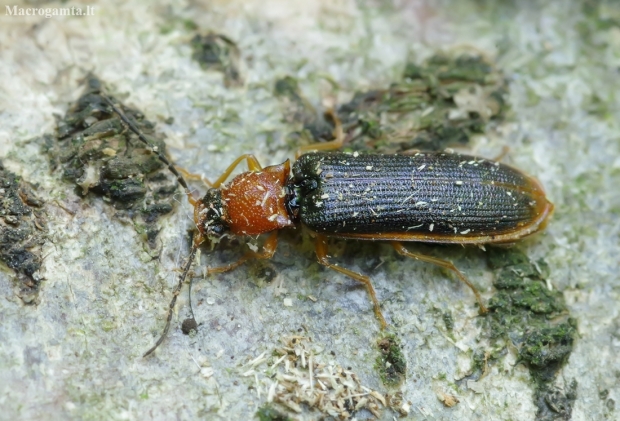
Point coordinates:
[(308, 185), (216, 229)]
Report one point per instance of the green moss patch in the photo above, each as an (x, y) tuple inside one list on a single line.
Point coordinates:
[(269, 413), (391, 363), (440, 103), (534, 318)]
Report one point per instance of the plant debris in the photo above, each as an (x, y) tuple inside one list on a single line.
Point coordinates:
[(22, 233), (447, 399), (299, 374), (99, 155)]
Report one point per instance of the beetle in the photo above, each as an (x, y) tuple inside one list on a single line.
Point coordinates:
[(429, 197)]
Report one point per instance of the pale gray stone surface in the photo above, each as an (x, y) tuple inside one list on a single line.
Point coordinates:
[(77, 355)]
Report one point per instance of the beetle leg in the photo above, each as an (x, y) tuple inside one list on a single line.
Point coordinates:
[(400, 249), (502, 154), (191, 176), (188, 175), (253, 165), (321, 255), (269, 248), (326, 146), (194, 177)]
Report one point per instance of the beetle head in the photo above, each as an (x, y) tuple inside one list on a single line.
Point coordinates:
[(209, 215)]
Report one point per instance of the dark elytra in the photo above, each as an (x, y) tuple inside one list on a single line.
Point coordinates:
[(439, 196)]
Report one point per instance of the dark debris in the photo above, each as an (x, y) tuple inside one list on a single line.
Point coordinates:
[(189, 325), (220, 53), (555, 404), (99, 155), (297, 110), (22, 233)]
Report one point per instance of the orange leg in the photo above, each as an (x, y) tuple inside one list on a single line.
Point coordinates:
[(253, 165), (269, 248), (188, 175), (326, 146), (400, 249), (322, 257), (502, 154), (194, 177)]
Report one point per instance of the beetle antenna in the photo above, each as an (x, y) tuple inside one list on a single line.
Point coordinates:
[(197, 239), (189, 298), (190, 323), (175, 294)]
